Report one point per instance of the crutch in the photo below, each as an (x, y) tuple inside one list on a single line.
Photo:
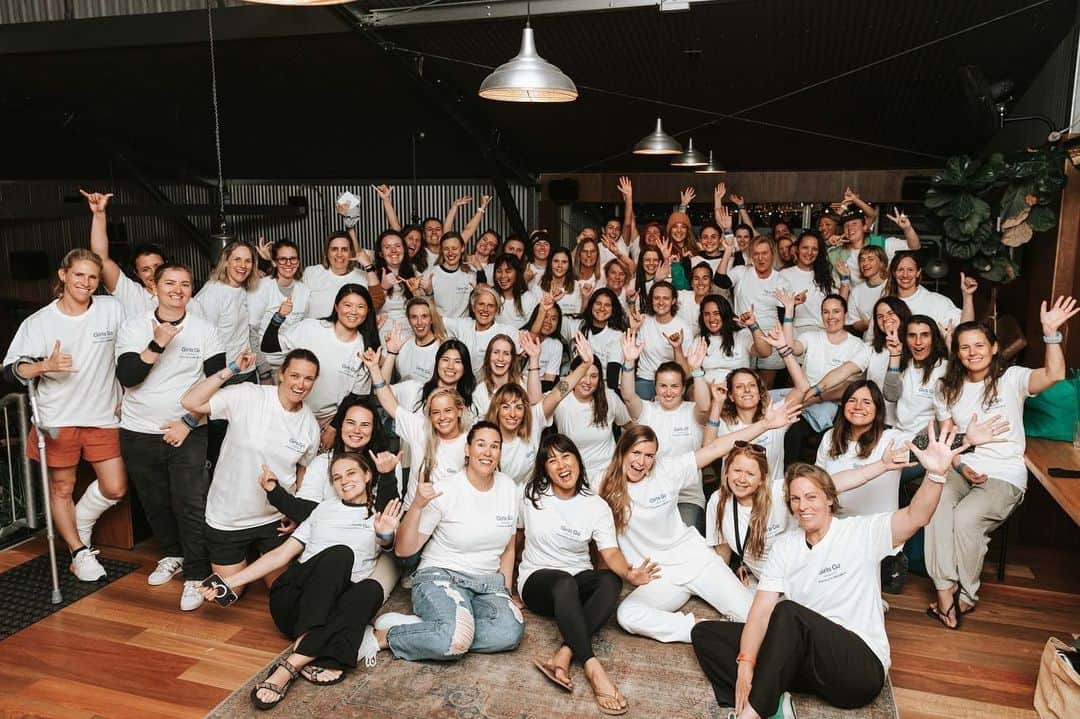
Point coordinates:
[(35, 419)]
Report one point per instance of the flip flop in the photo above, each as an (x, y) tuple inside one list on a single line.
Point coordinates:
[(313, 675), (934, 613), (549, 671), (612, 712)]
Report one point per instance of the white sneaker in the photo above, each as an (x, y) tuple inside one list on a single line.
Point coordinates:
[(167, 568), (86, 567), (369, 648), (408, 580), (395, 619), (191, 599)]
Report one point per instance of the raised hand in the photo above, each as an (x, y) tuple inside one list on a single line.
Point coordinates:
[(775, 337), (245, 360), (727, 241), (696, 356), (285, 308), (584, 349), (785, 298), (665, 249), (737, 199), (547, 300), (632, 347), (586, 291), (675, 340), (380, 320), (383, 191), (842, 268), (426, 283), (425, 493), (372, 359), (485, 200), (385, 462), (175, 433), (687, 196), (413, 283), (363, 258), (633, 315), (748, 318), (165, 331), (394, 339), (626, 188), (58, 361), (718, 391), (388, 520), (900, 219), (389, 279), (780, 414), (1053, 318), (800, 297), (97, 201), (989, 430), (529, 344), (968, 285), (895, 457), (850, 196), (937, 457), (264, 247), (461, 201), (836, 240), (647, 571), (723, 218), (718, 195), (892, 341), (558, 293), (267, 479)]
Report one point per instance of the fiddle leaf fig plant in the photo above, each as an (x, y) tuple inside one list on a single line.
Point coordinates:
[(987, 207)]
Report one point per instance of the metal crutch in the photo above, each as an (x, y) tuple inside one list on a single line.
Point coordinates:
[(35, 419)]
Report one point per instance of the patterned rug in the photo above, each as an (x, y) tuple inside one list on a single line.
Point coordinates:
[(659, 680)]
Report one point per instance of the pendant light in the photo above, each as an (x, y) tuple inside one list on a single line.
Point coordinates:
[(658, 142), (691, 158), (712, 168), (222, 235), (527, 77)]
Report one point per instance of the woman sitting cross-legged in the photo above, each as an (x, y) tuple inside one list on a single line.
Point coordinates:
[(326, 599), (466, 525), (828, 636), (556, 577)]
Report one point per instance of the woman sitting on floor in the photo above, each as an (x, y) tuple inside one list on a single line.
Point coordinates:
[(326, 599), (829, 637)]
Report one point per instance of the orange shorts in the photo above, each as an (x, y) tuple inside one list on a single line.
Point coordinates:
[(94, 444)]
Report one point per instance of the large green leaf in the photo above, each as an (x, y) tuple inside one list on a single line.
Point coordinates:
[(990, 172), (960, 250), (954, 230), (936, 199), (1013, 201), (1002, 269), (1042, 218), (963, 206)]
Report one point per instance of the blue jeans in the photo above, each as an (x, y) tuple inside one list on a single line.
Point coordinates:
[(645, 389), (461, 613)]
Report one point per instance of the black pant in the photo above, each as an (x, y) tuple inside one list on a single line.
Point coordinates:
[(172, 483), (802, 652), (797, 443), (581, 603), (317, 599)]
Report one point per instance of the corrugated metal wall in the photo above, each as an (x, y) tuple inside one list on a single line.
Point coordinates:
[(56, 237), (14, 11)]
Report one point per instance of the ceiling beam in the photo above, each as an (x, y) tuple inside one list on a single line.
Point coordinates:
[(501, 10)]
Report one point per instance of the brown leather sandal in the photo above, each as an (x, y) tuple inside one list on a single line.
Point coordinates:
[(279, 691)]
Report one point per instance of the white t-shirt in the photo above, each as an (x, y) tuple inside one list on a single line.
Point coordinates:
[(808, 314), (657, 349), (915, 408), (839, 578), (749, 289), (333, 522), (655, 529), (509, 315), (518, 458), (892, 246), (551, 354), (85, 398), (1002, 459), (451, 290), (263, 303), (133, 296), (771, 439), (226, 309), (557, 534), (822, 356), (569, 303), (574, 418), (880, 494), (679, 434), (464, 329), (469, 529), (317, 486), (341, 369), (324, 286), (718, 365), (933, 305), (393, 312), (260, 432), (861, 301), (156, 400), (606, 344), (876, 370), (689, 311), (414, 428), (777, 523), (415, 362)]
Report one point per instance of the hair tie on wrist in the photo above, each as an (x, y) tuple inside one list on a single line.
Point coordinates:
[(1054, 339), (712, 422), (377, 385), (278, 318), (233, 367)]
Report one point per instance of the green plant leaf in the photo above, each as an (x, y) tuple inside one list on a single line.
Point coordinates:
[(1013, 202), (963, 205), (960, 250), (937, 198), (1042, 218)]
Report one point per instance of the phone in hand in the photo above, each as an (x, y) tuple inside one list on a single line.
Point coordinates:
[(922, 441), (223, 594)]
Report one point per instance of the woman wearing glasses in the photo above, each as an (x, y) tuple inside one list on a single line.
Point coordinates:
[(283, 282)]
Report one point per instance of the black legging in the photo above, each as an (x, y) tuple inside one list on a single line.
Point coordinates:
[(581, 603), (802, 652), (318, 600)]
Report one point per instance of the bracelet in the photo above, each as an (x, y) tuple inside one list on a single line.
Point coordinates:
[(234, 368), (754, 327), (740, 207), (189, 421), (845, 278), (729, 233), (395, 354), (277, 318), (368, 268), (631, 368), (817, 390), (892, 355), (534, 369), (385, 537), (155, 347), (377, 385), (744, 658), (712, 422), (698, 373), (893, 369), (1053, 339), (785, 352), (960, 468), (939, 478), (789, 320)]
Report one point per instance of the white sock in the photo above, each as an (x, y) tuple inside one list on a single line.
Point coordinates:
[(88, 509)]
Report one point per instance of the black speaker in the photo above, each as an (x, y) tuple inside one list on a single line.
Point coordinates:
[(563, 192)]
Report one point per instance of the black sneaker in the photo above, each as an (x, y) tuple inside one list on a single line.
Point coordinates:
[(894, 571)]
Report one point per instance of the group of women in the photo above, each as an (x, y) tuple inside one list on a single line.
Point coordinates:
[(473, 425)]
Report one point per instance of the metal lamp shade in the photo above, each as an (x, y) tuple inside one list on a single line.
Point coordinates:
[(712, 168), (658, 142), (936, 268), (528, 78), (691, 158)]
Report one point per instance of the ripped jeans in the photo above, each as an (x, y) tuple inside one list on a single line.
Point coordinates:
[(461, 613)]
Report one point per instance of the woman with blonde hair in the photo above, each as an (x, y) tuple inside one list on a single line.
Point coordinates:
[(223, 300), (501, 367), (413, 355)]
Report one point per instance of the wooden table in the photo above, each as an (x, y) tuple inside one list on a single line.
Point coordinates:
[(1042, 454)]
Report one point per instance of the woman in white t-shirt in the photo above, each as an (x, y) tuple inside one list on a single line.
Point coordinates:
[(989, 483), (269, 428), (556, 577), (811, 278), (450, 282), (537, 254), (452, 370), (664, 337), (728, 346), (398, 279), (341, 265), (284, 282), (602, 323), (466, 526), (828, 572), (518, 301), (642, 492), (679, 422), (559, 278), (223, 300), (412, 354), (544, 327), (327, 597), (905, 275), (587, 265), (136, 297), (68, 350), (338, 341), (617, 279), (480, 326), (917, 361), (889, 315), (874, 269), (500, 367)]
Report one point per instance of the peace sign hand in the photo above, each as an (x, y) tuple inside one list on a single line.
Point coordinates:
[(900, 219)]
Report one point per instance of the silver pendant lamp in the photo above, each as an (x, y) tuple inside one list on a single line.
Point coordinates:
[(712, 168), (658, 142), (691, 158), (527, 77)]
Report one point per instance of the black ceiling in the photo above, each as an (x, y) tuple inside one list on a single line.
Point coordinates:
[(335, 105)]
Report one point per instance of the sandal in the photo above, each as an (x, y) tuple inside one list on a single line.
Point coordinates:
[(934, 613), (617, 696), (280, 691), (549, 671), (314, 674)]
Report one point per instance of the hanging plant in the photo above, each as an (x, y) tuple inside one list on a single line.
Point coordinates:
[(989, 206)]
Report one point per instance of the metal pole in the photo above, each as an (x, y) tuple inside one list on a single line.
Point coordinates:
[(30, 501), (36, 417)]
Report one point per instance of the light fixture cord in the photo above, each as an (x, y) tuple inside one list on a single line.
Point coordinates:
[(217, 116)]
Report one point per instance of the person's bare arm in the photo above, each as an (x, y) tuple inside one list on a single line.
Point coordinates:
[(629, 225), (392, 221), (474, 222), (1052, 319), (753, 634), (452, 212), (632, 348), (99, 237)]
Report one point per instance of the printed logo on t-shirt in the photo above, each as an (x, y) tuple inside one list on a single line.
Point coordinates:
[(680, 430), (188, 352), (296, 445), (505, 520), (659, 500), (925, 390), (105, 335), (569, 532), (831, 572)]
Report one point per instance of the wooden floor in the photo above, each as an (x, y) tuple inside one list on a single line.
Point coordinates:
[(127, 650)]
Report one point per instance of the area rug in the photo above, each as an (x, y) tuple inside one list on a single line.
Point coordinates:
[(26, 590), (659, 680)]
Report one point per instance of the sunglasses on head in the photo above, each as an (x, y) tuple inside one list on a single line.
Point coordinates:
[(755, 448)]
